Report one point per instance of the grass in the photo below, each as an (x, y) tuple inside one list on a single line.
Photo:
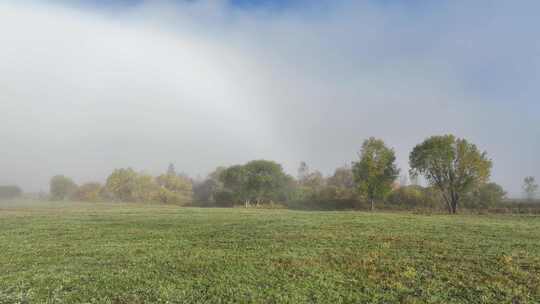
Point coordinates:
[(123, 253)]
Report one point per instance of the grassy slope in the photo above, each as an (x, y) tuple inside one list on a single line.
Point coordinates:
[(73, 253)]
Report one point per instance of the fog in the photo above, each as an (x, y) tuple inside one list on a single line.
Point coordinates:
[(86, 89)]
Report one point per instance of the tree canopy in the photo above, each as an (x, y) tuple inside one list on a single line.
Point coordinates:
[(258, 181), (62, 187), (376, 170), (451, 164)]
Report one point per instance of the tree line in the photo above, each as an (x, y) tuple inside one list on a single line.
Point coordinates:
[(456, 171)]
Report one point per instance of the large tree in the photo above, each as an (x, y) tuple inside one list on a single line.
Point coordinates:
[(258, 181), (452, 165), (376, 171), (266, 180)]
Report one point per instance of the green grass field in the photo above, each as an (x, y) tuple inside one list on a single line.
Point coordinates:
[(104, 253)]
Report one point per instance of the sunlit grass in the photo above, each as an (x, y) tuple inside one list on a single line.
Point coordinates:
[(124, 253)]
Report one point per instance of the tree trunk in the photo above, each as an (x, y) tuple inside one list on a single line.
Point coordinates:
[(454, 205), (448, 202), (372, 205), (247, 203)]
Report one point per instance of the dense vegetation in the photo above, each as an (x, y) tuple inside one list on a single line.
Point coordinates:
[(127, 253), (456, 171)]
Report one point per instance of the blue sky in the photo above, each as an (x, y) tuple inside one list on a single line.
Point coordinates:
[(98, 86)]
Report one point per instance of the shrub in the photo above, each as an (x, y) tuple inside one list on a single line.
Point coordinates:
[(89, 192)]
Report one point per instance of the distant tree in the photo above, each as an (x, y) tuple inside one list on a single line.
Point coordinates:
[(171, 170), (234, 180), (485, 196), (62, 187), (310, 184), (205, 191), (376, 171), (175, 189), (258, 181), (343, 177), (340, 186), (266, 180), (89, 192), (10, 192), (530, 187), (454, 166), (146, 189), (122, 184)]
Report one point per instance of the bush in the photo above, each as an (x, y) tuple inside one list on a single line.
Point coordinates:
[(89, 192), (486, 196), (414, 197)]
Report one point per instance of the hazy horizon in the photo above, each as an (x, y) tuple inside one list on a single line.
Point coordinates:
[(87, 87)]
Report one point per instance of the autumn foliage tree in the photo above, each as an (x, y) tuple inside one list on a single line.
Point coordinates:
[(452, 165)]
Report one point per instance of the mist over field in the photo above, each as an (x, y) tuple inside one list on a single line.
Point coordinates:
[(86, 88)]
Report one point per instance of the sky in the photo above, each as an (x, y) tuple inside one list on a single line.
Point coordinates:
[(90, 86)]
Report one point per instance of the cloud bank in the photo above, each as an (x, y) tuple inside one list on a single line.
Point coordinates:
[(85, 89)]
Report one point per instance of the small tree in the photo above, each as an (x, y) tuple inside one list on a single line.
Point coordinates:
[(62, 187), (530, 187), (453, 165), (376, 171)]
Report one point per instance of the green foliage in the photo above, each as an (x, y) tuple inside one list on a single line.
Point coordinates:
[(174, 189), (10, 192), (376, 171), (266, 180), (413, 197), (62, 188), (453, 165), (122, 184), (146, 189), (134, 253), (485, 196), (89, 192), (259, 181), (341, 185)]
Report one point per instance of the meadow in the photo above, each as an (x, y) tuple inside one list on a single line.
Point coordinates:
[(133, 253)]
